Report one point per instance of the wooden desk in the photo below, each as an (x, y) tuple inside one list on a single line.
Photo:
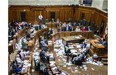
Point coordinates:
[(10, 47), (51, 25), (50, 46), (20, 33), (60, 35), (16, 38), (72, 39), (52, 68), (96, 48), (29, 67), (31, 45)]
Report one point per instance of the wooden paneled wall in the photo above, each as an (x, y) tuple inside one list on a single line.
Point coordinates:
[(61, 12)]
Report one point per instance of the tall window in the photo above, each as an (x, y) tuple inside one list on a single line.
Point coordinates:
[(82, 15), (87, 2), (23, 16), (52, 15)]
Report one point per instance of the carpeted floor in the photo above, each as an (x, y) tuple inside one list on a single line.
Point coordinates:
[(74, 70)]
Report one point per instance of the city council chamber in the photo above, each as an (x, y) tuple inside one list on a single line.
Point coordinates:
[(58, 37)]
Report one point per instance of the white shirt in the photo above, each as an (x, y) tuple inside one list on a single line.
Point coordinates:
[(40, 17), (77, 30), (43, 26), (64, 25)]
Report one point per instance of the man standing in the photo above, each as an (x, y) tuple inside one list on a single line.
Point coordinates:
[(40, 17)]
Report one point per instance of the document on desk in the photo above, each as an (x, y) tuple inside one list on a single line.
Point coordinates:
[(71, 46), (77, 37), (52, 62), (73, 51), (78, 46), (24, 69)]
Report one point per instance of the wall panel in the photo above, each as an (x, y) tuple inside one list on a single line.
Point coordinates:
[(61, 12)]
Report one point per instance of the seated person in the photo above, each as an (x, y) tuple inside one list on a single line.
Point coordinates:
[(64, 26), (52, 20), (57, 21), (28, 36), (42, 55), (78, 59), (67, 50), (18, 69), (46, 71), (77, 29), (86, 51), (21, 55), (83, 45), (43, 43), (59, 28), (13, 67), (88, 28), (24, 44), (50, 31), (95, 57), (18, 59), (104, 43), (20, 65), (74, 24), (63, 73), (43, 26), (83, 29)]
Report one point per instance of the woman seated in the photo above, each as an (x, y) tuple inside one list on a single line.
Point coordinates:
[(83, 29), (77, 29)]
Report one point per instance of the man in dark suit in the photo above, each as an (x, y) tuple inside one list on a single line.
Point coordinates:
[(42, 56), (78, 59)]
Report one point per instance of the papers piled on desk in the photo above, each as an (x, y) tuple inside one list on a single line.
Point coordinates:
[(24, 69), (57, 46), (49, 41), (80, 50), (69, 63), (64, 59), (91, 61), (56, 50), (80, 35), (52, 62), (18, 59), (60, 53), (99, 44), (36, 58), (70, 46), (74, 52), (78, 46), (51, 57), (63, 73), (77, 37), (55, 70), (36, 54), (83, 49), (52, 65), (26, 63)]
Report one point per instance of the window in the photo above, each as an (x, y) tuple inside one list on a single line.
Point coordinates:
[(82, 15), (52, 15), (23, 16), (87, 2), (102, 26)]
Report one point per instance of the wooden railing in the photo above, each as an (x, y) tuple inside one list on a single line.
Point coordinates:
[(16, 38), (60, 35)]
